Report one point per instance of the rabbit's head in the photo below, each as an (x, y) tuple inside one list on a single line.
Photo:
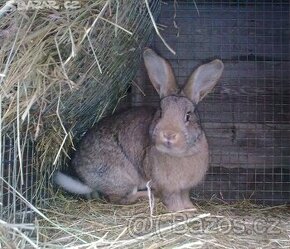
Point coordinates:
[(176, 130)]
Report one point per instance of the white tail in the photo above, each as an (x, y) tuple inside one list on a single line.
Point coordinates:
[(70, 184)]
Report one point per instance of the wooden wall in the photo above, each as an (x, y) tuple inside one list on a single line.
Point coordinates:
[(247, 117)]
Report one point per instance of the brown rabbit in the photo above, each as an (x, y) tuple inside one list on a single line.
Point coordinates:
[(167, 146)]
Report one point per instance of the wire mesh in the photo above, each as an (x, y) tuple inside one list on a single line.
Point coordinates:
[(61, 71), (246, 118)]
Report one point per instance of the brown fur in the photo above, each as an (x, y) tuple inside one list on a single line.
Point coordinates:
[(167, 146), (173, 177)]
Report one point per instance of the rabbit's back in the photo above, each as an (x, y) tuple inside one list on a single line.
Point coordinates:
[(116, 143)]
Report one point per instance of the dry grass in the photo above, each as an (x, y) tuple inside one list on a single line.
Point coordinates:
[(75, 223), (61, 71), (60, 66)]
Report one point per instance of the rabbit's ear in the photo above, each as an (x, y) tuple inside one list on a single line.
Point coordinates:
[(160, 73), (202, 80)]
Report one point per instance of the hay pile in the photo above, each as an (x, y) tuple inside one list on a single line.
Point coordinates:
[(71, 223), (61, 70)]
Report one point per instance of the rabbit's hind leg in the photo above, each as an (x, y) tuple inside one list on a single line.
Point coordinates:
[(120, 184)]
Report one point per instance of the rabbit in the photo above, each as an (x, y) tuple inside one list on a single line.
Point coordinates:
[(167, 146)]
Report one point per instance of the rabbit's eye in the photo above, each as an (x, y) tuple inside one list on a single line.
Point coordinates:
[(187, 116)]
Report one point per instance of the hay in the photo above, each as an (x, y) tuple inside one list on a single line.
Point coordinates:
[(94, 224), (61, 70)]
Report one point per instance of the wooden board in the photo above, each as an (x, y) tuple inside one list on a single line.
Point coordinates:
[(263, 186), (245, 145), (234, 31)]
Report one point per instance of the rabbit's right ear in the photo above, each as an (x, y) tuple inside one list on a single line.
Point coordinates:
[(160, 73)]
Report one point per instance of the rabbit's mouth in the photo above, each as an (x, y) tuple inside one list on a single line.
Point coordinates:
[(171, 149)]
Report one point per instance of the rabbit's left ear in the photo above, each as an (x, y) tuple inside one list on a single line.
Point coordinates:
[(203, 80), (160, 73)]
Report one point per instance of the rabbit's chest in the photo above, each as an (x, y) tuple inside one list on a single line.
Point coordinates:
[(177, 173)]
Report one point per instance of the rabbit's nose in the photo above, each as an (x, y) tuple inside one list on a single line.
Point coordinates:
[(169, 136)]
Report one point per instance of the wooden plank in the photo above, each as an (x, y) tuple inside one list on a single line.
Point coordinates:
[(249, 32), (265, 186), (228, 88), (248, 145)]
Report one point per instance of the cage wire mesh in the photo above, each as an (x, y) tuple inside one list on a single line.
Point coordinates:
[(61, 71), (246, 118)]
